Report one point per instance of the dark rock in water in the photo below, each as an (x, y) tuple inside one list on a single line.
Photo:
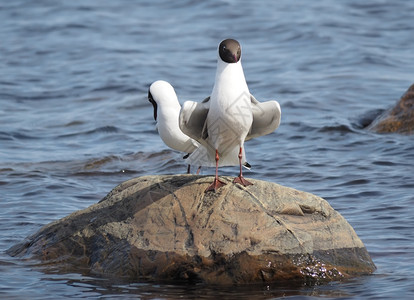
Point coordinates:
[(399, 119), (166, 228), (366, 118)]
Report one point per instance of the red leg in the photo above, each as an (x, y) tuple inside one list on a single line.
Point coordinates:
[(198, 170), (240, 179), (217, 182)]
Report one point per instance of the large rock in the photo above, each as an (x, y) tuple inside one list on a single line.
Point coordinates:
[(399, 119), (167, 228)]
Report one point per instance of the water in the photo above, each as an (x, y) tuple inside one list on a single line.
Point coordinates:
[(75, 121)]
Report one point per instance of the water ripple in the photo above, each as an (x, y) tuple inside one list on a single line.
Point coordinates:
[(75, 121)]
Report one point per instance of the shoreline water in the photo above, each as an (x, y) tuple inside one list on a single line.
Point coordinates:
[(75, 121)]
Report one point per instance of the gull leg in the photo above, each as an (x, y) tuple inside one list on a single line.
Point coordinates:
[(188, 169), (240, 179), (198, 170), (217, 182)]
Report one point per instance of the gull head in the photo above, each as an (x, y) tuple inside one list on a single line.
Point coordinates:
[(230, 51), (162, 94)]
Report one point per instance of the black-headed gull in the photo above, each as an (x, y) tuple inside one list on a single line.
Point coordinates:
[(222, 122), (166, 112)]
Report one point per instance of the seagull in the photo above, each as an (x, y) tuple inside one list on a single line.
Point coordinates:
[(222, 122), (162, 96)]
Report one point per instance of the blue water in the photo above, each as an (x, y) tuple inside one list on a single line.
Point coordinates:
[(75, 121)]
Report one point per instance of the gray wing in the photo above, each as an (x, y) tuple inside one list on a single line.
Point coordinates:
[(266, 117), (193, 117)]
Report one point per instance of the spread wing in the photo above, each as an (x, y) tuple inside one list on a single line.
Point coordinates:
[(193, 117), (266, 117)]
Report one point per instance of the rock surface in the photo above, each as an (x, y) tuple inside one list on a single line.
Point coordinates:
[(399, 119), (166, 228)]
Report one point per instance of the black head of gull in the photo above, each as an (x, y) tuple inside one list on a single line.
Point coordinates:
[(230, 51)]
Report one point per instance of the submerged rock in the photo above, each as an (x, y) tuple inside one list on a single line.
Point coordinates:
[(399, 119), (166, 228)]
